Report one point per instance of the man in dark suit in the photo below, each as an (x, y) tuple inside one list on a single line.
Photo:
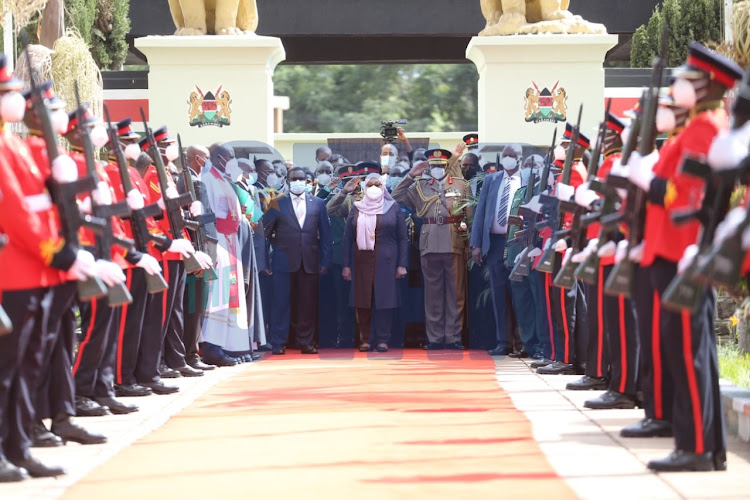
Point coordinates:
[(298, 228)]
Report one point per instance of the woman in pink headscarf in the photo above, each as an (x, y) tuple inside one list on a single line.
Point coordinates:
[(376, 246)]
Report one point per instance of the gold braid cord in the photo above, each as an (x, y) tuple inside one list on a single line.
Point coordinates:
[(23, 11), (428, 201)]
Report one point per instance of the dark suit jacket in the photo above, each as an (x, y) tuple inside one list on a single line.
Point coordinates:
[(484, 214), (294, 247)]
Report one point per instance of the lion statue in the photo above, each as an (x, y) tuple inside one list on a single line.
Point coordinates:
[(513, 17), (214, 17)]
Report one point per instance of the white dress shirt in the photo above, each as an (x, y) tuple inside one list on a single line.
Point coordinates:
[(515, 184), (300, 208)]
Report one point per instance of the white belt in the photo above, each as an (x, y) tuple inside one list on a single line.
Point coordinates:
[(38, 202)]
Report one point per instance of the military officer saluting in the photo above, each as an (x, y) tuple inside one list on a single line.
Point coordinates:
[(442, 244)]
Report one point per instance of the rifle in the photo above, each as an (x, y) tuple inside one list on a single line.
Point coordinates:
[(548, 259), (64, 195), (5, 325), (530, 217), (173, 205), (198, 224), (141, 236), (566, 278), (620, 281), (117, 295)]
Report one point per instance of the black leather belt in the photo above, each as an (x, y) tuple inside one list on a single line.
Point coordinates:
[(442, 220)]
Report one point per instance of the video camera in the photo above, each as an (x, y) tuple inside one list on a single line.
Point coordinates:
[(389, 131)]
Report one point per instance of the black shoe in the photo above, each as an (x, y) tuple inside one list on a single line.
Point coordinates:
[(648, 428), (86, 407), (455, 346), (117, 407), (541, 362), (68, 431), (308, 349), (382, 348), (498, 351), (214, 355), (167, 372), (520, 354), (611, 400), (681, 461), (279, 350), (189, 371), (36, 468), (42, 438), (720, 460), (131, 390), (537, 356), (160, 388), (557, 368), (264, 348), (587, 383), (433, 346), (255, 356), (9, 473), (198, 364)]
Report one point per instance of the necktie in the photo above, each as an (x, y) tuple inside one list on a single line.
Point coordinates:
[(502, 212), (298, 210)]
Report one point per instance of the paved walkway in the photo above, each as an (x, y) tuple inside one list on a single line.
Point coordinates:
[(582, 445)]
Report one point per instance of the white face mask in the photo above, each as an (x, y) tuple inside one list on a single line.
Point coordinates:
[(324, 179), (297, 187), (12, 107), (625, 134), (273, 181), (509, 163), (132, 151), (233, 169), (387, 161), (683, 93), (59, 121), (171, 152), (437, 173), (559, 152), (665, 120), (252, 178), (99, 136), (374, 192)]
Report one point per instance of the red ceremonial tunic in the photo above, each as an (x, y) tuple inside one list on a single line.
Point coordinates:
[(151, 179)]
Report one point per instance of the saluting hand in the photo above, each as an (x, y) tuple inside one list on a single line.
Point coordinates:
[(418, 169), (459, 149), (334, 182), (351, 185)]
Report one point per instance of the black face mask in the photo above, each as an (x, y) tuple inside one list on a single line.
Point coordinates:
[(472, 172)]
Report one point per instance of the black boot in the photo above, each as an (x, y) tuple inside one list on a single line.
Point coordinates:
[(587, 383), (68, 431), (611, 400), (648, 427), (42, 438), (682, 461)]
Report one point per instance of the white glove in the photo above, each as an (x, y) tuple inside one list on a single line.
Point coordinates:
[(729, 148), (196, 208), (161, 204), (687, 258), (618, 168), (84, 266), (135, 199), (172, 192), (518, 257), (567, 255), (109, 272), (585, 196), (621, 252), (64, 169), (85, 205), (636, 253), (728, 227), (640, 169), (586, 252), (565, 192), (534, 253), (149, 264), (746, 238), (102, 195), (547, 244), (183, 246), (204, 260), (608, 249), (561, 245)]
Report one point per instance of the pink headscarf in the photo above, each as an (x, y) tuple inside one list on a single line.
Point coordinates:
[(368, 215)]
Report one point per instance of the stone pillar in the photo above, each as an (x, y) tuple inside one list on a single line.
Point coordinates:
[(544, 67), (192, 78)]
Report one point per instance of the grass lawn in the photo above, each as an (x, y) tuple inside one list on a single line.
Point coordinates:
[(734, 366)]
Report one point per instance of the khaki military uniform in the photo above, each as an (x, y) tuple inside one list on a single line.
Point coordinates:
[(443, 246)]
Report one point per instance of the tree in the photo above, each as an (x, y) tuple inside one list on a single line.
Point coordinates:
[(108, 44)]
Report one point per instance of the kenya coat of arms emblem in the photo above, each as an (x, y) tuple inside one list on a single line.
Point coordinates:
[(209, 108), (546, 105)]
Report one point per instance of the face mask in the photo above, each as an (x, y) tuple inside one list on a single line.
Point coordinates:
[(308, 188), (665, 120), (132, 151), (297, 187), (99, 136), (387, 161), (509, 163), (392, 181), (374, 192), (252, 178), (273, 181), (59, 121), (171, 152), (559, 152), (324, 179), (683, 93), (384, 179), (12, 107), (233, 169), (437, 173), (626, 133)]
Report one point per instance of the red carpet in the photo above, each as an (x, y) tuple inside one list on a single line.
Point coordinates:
[(373, 426)]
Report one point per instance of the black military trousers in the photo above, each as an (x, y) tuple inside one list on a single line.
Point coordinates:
[(689, 354), (94, 367), (131, 323), (174, 324), (569, 313), (622, 341), (597, 351), (21, 357), (653, 382), (56, 388)]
